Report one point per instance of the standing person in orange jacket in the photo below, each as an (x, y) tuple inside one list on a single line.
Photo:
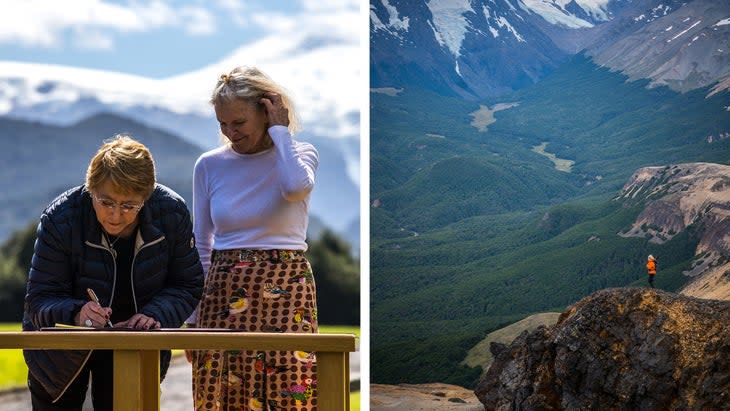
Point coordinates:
[(651, 269)]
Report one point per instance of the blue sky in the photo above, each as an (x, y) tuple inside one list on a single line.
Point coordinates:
[(158, 38)]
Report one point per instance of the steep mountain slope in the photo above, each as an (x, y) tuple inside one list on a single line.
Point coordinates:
[(684, 45), (678, 196), (681, 196), (465, 48)]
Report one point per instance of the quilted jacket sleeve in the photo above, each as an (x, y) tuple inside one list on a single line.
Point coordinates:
[(49, 294)]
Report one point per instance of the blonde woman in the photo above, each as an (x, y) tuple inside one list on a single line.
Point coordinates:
[(250, 207)]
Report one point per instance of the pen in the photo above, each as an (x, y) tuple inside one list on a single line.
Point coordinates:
[(95, 299)]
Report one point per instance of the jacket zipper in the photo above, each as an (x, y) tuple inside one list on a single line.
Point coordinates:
[(114, 258), (131, 272), (83, 364)]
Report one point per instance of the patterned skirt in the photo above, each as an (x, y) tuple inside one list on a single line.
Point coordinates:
[(257, 291)]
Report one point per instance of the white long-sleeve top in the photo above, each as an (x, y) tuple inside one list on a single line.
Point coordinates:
[(256, 201)]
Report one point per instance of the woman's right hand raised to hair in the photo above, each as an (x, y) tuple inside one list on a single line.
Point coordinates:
[(276, 111)]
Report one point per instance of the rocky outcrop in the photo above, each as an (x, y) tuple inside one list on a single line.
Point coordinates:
[(618, 349), (480, 355)]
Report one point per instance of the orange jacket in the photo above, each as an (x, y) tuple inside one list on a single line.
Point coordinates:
[(651, 267)]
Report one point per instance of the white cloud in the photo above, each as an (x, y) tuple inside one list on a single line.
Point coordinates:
[(40, 23), (274, 22), (91, 39), (336, 18), (198, 21), (337, 6)]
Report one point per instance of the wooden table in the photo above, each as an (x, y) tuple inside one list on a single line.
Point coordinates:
[(136, 357)]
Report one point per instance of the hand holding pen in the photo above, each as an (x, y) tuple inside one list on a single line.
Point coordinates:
[(105, 312)]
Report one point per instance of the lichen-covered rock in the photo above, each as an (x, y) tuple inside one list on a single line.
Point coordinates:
[(618, 349)]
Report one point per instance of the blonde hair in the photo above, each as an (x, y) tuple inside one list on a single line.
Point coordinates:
[(251, 85), (126, 163)]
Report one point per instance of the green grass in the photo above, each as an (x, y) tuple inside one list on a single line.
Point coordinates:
[(13, 371), (355, 401), (340, 329)]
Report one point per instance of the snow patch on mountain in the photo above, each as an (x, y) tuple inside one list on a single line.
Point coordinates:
[(503, 22), (684, 31), (450, 23), (555, 13), (597, 9), (656, 12), (394, 22)]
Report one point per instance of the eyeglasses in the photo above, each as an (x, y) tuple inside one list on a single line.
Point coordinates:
[(124, 208)]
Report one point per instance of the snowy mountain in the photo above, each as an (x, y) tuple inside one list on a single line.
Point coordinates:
[(683, 46), (482, 48), (468, 48), (316, 69)]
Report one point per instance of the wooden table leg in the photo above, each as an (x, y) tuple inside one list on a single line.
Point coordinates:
[(332, 388), (137, 380), (151, 379), (347, 381)]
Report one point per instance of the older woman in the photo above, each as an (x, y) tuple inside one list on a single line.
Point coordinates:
[(250, 204), (130, 241)]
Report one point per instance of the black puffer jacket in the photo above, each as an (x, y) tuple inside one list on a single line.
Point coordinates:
[(71, 255)]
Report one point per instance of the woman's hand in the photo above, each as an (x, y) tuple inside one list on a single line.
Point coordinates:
[(139, 322), (93, 315), (276, 111)]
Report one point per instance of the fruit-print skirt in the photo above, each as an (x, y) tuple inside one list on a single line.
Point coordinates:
[(257, 291)]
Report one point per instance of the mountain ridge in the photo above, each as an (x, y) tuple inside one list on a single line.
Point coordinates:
[(480, 49)]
